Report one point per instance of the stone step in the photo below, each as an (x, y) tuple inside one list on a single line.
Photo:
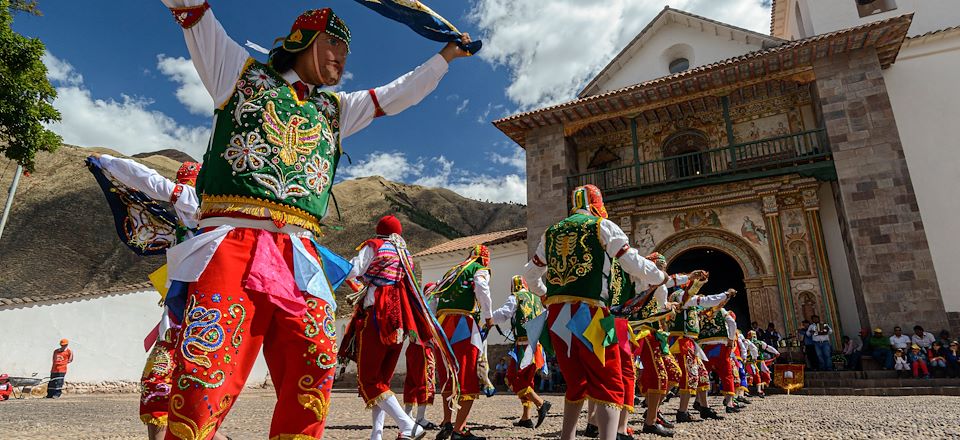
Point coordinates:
[(879, 383), (879, 391)]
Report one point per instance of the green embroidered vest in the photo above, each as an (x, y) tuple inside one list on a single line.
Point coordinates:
[(713, 328), (575, 257), (528, 307), (271, 154), (621, 289), (687, 321), (460, 296)]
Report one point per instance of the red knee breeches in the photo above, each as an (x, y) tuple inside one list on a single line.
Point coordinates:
[(521, 382), (466, 354), (419, 384), (376, 362), (586, 377), (720, 363)]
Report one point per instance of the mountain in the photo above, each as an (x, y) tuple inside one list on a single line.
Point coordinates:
[(60, 237)]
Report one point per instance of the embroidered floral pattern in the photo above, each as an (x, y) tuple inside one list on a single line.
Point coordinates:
[(260, 79), (318, 173), (246, 152)]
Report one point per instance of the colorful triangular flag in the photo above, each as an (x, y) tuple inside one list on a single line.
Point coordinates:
[(559, 326), (534, 328), (461, 332), (595, 334), (579, 322)]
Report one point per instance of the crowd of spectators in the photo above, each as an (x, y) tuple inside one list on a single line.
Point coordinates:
[(920, 355)]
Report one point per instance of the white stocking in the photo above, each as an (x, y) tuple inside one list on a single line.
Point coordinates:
[(392, 407), (422, 413), (378, 418)]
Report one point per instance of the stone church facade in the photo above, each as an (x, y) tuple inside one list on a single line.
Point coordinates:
[(780, 164)]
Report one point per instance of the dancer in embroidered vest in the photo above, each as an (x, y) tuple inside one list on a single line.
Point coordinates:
[(574, 255), (257, 276), (156, 382), (521, 307), (463, 302), (718, 338), (763, 356)]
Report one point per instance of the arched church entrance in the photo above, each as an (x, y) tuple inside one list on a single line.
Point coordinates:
[(725, 273)]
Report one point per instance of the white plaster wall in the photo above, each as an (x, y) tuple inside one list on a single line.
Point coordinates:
[(831, 15), (506, 261), (649, 61), (106, 337), (837, 256), (924, 94)]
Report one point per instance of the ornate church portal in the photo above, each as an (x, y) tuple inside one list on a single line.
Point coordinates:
[(725, 273)]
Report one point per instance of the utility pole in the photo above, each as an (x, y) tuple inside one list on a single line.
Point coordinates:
[(9, 204)]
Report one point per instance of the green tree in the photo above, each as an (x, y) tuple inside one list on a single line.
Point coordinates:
[(25, 93)]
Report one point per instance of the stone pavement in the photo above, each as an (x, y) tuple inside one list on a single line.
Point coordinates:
[(113, 416)]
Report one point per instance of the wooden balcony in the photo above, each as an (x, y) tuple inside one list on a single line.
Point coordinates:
[(806, 153)]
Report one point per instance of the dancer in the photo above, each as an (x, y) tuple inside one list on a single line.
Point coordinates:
[(684, 331), (156, 382), (268, 170), (763, 357), (419, 385), (522, 306), (386, 314), (572, 254), (463, 302), (718, 337)]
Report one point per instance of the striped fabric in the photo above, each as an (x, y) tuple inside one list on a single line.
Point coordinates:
[(385, 269)]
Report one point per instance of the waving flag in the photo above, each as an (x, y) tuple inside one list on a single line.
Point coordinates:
[(146, 226), (422, 20)]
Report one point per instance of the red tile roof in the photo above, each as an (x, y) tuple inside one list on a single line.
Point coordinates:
[(488, 239)]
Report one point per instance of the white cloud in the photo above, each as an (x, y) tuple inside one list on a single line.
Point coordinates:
[(390, 166), (517, 159), (463, 106), (553, 48), (61, 72), (347, 76), (191, 92), (483, 117), (439, 172), (128, 125)]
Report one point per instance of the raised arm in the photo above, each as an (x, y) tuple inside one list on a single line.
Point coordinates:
[(705, 300), (358, 109), (731, 327), (218, 59), (643, 271), (361, 262), (155, 186)]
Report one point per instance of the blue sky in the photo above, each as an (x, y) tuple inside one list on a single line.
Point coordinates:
[(125, 80)]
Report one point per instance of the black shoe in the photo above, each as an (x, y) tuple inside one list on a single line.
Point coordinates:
[(670, 395), (465, 435), (657, 430), (698, 407), (542, 413), (732, 409), (739, 405), (624, 436), (525, 423), (743, 400), (592, 431), (684, 417), (426, 424), (663, 421), (709, 413), (446, 430)]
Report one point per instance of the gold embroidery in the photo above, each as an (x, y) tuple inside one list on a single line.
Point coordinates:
[(190, 430), (565, 267), (314, 400), (292, 140), (296, 36)]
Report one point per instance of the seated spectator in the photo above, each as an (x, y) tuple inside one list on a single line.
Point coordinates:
[(953, 359), (878, 346), (771, 336), (899, 341), (944, 338), (900, 363), (851, 353), (937, 356), (922, 339), (918, 362), (5, 387)]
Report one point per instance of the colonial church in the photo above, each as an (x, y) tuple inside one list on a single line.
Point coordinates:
[(812, 169)]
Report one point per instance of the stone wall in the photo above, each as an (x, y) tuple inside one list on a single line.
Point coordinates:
[(550, 160), (890, 261)]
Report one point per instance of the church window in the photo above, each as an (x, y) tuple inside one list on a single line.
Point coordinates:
[(871, 7), (679, 65)]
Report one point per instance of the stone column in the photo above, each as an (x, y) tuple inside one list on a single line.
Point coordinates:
[(887, 250), (811, 205), (550, 159)]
